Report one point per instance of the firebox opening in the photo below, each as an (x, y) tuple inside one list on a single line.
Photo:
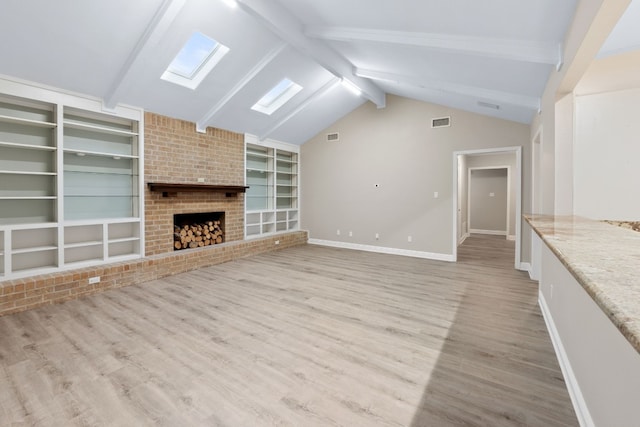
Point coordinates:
[(194, 230)]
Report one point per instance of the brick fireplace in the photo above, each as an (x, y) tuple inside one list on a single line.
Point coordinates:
[(176, 153)]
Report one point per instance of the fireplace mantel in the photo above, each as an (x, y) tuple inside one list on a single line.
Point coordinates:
[(172, 188)]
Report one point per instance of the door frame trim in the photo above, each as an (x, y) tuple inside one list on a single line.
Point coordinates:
[(498, 167), (517, 150)]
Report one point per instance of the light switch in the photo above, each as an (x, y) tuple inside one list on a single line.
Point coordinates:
[(435, 194)]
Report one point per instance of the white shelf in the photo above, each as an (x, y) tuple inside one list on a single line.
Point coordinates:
[(100, 154), (19, 120), (74, 124), (39, 225), (124, 239), (34, 249), (9, 172), (259, 155), (28, 198), (74, 223), (27, 146), (83, 244), (259, 170), (272, 199), (83, 263)]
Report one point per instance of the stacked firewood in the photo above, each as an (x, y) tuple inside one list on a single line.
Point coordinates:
[(197, 235)]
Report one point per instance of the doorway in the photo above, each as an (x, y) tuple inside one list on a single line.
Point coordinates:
[(462, 161), (488, 201)]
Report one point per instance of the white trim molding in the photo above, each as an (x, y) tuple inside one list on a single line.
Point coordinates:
[(525, 266), (490, 232), (383, 250), (463, 238), (579, 404)]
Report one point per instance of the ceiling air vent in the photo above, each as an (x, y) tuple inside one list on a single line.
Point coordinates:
[(333, 136), (441, 122)]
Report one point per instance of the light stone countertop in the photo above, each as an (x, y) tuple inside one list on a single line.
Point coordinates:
[(604, 259)]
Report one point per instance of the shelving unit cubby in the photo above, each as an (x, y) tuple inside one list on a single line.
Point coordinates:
[(69, 178), (272, 197)]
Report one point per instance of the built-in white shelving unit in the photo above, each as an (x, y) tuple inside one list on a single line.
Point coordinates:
[(272, 196), (69, 182)]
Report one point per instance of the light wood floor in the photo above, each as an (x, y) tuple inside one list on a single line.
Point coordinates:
[(307, 336)]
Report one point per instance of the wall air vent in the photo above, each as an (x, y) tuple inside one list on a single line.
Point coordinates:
[(441, 122), (335, 136), (488, 105)]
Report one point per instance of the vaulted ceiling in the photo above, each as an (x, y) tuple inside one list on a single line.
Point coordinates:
[(491, 57)]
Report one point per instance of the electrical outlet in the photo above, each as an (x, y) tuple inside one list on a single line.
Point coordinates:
[(492, 194), (351, 234), (338, 233), (435, 194), (409, 239), (277, 242), (200, 179), (377, 236), (93, 280)]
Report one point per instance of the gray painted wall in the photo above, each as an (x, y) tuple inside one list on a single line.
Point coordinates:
[(499, 160), (397, 149), (488, 191)]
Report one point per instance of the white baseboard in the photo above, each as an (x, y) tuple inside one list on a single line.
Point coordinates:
[(383, 250), (525, 266), (511, 237), (463, 238), (491, 232), (579, 404)]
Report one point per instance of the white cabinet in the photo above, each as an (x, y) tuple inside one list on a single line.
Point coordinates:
[(69, 185), (272, 196)]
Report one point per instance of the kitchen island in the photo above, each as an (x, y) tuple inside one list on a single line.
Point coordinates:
[(590, 298)]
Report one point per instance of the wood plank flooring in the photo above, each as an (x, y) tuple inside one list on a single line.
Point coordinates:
[(306, 336)]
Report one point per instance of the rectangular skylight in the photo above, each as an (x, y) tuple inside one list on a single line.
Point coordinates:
[(194, 61), (277, 96)]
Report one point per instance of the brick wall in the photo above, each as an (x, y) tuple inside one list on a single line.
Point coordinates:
[(174, 152)]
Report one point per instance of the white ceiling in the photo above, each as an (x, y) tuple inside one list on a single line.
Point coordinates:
[(456, 53), (625, 37)]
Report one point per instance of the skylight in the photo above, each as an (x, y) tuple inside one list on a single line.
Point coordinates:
[(194, 61), (277, 96)]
